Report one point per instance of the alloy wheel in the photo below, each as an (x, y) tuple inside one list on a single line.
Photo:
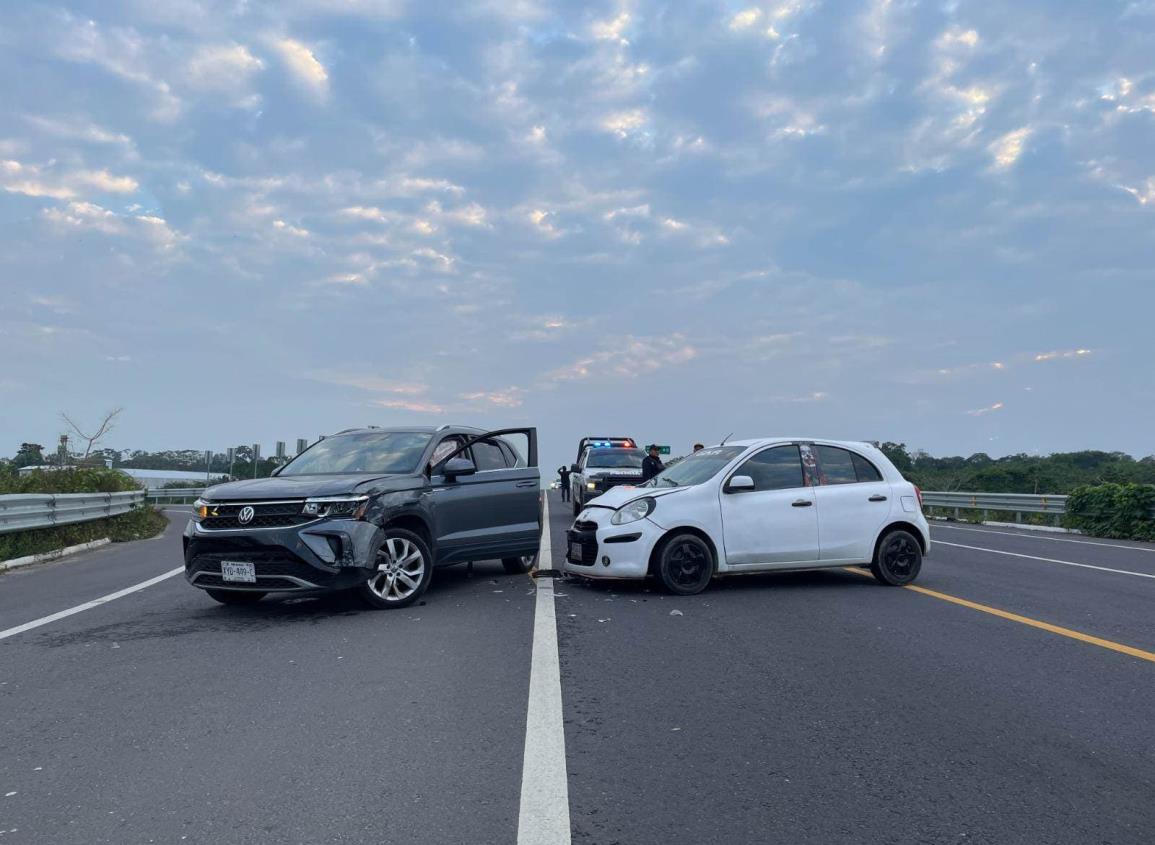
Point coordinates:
[(400, 568)]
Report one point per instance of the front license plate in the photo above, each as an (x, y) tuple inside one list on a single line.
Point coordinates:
[(238, 572), (575, 551)]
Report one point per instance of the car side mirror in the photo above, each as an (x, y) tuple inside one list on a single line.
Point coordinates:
[(740, 484), (457, 467)]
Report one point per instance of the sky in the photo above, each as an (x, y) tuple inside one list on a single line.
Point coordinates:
[(243, 221)]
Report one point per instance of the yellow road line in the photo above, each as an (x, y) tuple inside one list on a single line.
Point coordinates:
[(1026, 620)]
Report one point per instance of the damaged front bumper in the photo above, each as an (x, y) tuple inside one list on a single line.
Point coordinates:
[(319, 556)]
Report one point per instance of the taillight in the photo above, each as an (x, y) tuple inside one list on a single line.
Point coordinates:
[(918, 492)]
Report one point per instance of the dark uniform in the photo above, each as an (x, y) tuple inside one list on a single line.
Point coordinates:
[(651, 465), (564, 473)]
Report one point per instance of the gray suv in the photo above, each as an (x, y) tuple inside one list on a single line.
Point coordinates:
[(374, 510)]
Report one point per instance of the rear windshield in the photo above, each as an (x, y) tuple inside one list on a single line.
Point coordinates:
[(615, 458), (696, 468), (374, 452)]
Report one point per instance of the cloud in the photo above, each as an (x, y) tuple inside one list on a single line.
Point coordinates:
[(990, 409), (36, 181), (1006, 150), (102, 180), (413, 405), (625, 124), (1143, 195), (79, 129), (630, 358), (612, 29), (541, 220), (225, 69), (290, 229), (1064, 354), (512, 397), (303, 65), (745, 19), (87, 216), (121, 52)]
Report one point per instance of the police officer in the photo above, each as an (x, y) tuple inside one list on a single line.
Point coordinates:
[(563, 471), (651, 464)]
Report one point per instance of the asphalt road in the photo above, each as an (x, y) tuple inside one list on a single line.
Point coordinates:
[(794, 708)]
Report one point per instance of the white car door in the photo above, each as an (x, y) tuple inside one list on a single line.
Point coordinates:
[(775, 523), (854, 504)]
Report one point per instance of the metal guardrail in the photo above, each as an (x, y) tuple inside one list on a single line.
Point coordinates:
[(1016, 503), (25, 511), (175, 495)]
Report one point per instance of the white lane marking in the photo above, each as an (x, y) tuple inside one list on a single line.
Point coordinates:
[(88, 605), (1046, 559), (544, 816), (1045, 537)]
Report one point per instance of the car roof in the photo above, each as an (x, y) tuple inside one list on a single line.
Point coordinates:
[(825, 441), (416, 429)]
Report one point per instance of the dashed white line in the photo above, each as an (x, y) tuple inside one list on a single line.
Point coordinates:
[(88, 605), (544, 815), (1047, 559), (1045, 537)]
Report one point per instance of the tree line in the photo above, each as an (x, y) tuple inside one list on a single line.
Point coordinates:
[(1057, 474)]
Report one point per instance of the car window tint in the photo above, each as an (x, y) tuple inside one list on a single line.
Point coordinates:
[(779, 468), (835, 466), (487, 455), (865, 469), (444, 449)]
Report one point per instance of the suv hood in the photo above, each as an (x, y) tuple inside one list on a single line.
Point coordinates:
[(291, 487), (624, 494)]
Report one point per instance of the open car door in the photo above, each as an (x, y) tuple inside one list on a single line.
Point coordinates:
[(489, 502)]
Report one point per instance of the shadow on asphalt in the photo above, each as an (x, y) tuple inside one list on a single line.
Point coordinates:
[(448, 588), (825, 579)]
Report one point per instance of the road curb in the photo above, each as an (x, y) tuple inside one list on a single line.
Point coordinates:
[(44, 557)]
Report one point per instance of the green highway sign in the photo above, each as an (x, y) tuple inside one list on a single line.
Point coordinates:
[(663, 450)]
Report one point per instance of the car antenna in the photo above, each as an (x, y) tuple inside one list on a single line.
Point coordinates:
[(727, 437)]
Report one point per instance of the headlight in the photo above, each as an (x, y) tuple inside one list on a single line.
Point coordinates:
[(203, 509), (635, 510), (592, 485), (337, 507)]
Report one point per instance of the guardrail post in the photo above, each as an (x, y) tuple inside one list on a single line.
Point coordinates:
[(1018, 516), (957, 514)]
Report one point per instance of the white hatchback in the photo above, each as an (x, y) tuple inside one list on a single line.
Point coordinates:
[(756, 506)]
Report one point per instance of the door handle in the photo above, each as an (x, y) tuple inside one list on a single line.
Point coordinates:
[(877, 498), (801, 503), (527, 484)]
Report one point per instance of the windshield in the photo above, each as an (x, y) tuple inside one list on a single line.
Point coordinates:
[(376, 452), (698, 467), (615, 459)]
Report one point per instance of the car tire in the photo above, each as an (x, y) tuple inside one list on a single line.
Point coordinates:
[(235, 597), (404, 570), (898, 559), (684, 564), (518, 565)]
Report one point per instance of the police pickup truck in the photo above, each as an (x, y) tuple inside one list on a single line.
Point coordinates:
[(603, 463)]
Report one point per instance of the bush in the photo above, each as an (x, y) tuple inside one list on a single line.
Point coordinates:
[(83, 480), (138, 524), (1117, 511)]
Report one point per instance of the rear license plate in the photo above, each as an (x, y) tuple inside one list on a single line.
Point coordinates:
[(575, 551), (238, 572)]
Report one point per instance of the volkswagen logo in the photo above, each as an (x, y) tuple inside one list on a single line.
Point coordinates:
[(246, 515)]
